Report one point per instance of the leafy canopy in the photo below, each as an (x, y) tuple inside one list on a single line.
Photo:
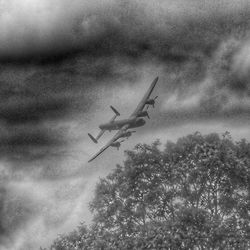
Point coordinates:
[(192, 194)]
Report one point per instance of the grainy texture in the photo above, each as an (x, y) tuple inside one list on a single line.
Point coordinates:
[(63, 63)]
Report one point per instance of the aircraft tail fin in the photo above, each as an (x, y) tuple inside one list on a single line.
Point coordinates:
[(92, 138), (115, 111)]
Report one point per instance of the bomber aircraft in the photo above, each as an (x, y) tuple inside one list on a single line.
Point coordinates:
[(135, 120)]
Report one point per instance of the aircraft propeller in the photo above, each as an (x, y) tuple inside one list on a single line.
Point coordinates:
[(152, 102)]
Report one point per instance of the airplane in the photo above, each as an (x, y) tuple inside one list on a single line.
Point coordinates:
[(135, 120)]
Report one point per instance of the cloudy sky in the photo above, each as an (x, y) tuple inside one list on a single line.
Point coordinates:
[(63, 62)]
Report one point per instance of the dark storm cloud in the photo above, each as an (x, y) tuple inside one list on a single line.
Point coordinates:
[(54, 92), (39, 96), (17, 141), (126, 28), (226, 72), (81, 50), (33, 110), (63, 62), (221, 93)]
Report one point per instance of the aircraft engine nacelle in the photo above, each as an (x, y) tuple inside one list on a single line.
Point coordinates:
[(116, 145), (127, 134), (140, 122), (143, 114), (151, 101)]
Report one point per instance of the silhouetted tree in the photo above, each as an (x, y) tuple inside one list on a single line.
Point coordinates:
[(193, 194)]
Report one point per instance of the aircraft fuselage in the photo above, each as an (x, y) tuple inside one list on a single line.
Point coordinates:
[(116, 125)]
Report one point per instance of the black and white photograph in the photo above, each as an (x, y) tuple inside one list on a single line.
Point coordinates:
[(124, 124)]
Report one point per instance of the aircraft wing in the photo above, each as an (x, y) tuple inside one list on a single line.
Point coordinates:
[(142, 103), (116, 137)]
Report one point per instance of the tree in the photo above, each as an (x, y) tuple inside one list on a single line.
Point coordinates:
[(194, 194)]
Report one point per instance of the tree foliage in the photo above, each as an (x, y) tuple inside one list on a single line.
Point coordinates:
[(193, 194)]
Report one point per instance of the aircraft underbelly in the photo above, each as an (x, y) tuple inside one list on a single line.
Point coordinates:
[(136, 124), (133, 123), (114, 125)]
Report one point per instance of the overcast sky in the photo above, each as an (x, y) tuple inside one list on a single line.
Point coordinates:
[(63, 62)]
